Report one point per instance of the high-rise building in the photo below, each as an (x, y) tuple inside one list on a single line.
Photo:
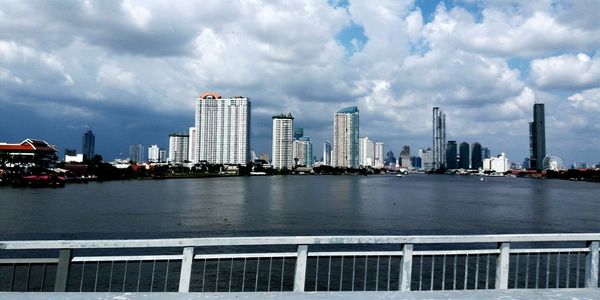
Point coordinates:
[(416, 162), (136, 153), (379, 158), (222, 129), (485, 153), (178, 147), (162, 155), (88, 145), (439, 138), (192, 145), (298, 133), (153, 153), (537, 138), (405, 157), (426, 158), (303, 152), (476, 159), (366, 152), (463, 161), (282, 146), (345, 137), (327, 153), (390, 159), (451, 155)]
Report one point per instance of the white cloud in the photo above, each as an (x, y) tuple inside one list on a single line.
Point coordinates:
[(588, 100), (113, 76), (566, 71)]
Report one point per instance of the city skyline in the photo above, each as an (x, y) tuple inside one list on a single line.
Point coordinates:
[(116, 70)]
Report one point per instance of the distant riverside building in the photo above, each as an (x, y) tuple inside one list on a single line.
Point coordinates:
[(451, 155), (485, 153), (153, 153), (327, 153), (464, 157), (366, 152), (302, 152), (264, 156), (29, 151), (439, 138), (162, 155), (178, 147), (416, 162), (426, 158), (537, 138), (345, 137), (405, 157), (282, 144), (88, 145), (192, 145), (379, 158), (526, 163), (390, 159), (476, 160), (496, 164), (298, 133), (222, 129), (136, 153)]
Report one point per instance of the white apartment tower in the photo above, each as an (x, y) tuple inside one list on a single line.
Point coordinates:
[(153, 153), (282, 150), (178, 147), (192, 145), (379, 155), (222, 129), (327, 153), (345, 138), (366, 152), (303, 154)]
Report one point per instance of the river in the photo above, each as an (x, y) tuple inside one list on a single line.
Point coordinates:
[(299, 205)]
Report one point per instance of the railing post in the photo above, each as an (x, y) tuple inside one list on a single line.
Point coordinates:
[(300, 276), (406, 265), (62, 270), (502, 263), (591, 266), (186, 269)]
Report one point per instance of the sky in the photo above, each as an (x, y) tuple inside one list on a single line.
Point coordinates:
[(130, 70)]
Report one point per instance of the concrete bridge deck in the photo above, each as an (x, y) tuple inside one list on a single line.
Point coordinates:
[(417, 295)]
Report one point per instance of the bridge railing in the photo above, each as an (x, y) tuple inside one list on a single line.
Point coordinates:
[(303, 263)]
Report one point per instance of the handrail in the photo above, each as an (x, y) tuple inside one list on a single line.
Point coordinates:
[(298, 240)]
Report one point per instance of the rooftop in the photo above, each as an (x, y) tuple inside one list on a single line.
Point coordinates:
[(348, 110)]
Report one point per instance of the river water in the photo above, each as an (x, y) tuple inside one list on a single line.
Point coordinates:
[(299, 205)]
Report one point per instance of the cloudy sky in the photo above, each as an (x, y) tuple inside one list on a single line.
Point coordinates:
[(130, 70)]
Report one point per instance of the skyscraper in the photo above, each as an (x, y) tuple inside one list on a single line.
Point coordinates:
[(379, 158), (451, 154), (345, 137), (439, 138), (476, 160), (178, 147), (303, 152), (485, 153), (136, 153), (463, 161), (537, 138), (298, 133), (222, 129), (366, 152), (282, 147), (88, 145), (405, 157), (327, 153)]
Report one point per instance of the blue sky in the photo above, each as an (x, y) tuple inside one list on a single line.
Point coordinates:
[(130, 70)]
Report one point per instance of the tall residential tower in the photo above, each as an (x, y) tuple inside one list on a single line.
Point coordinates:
[(88, 145), (282, 148), (345, 138), (222, 129), (439, 138)]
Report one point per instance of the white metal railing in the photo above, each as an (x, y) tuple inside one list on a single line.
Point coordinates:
[(456, 262)]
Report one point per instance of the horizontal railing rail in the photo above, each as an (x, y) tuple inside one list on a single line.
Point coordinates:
[(392, 263)]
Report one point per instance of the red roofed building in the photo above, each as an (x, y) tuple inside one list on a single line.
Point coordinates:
[(29, 151)]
